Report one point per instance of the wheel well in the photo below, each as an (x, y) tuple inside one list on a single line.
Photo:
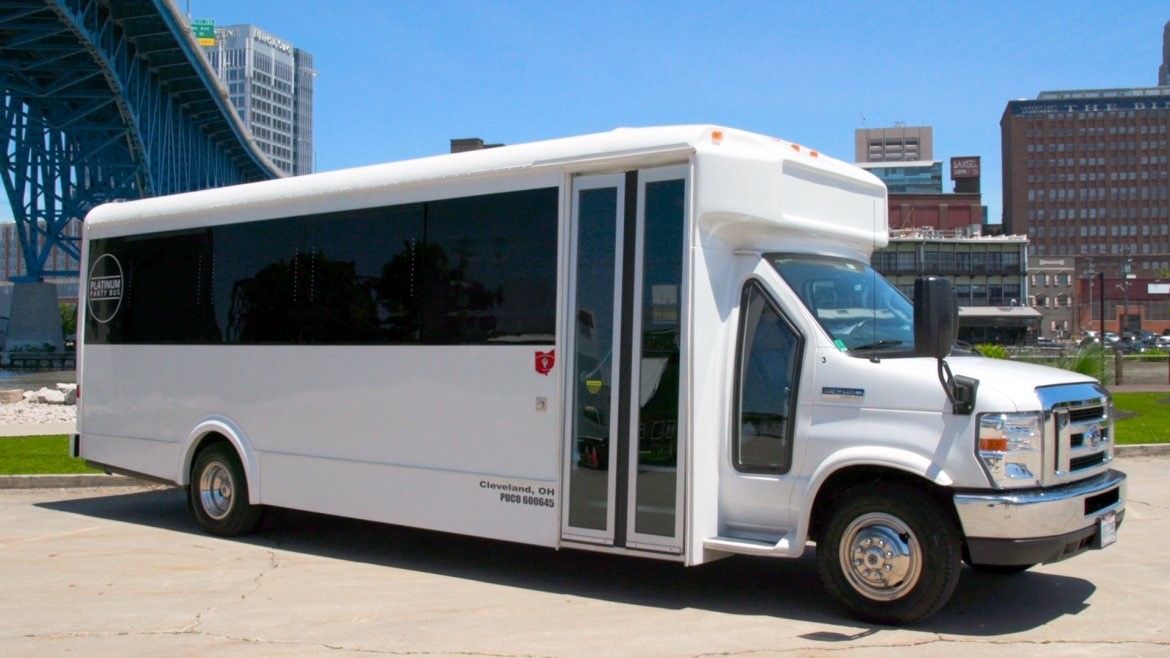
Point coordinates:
[(845, 479), (205, 442)]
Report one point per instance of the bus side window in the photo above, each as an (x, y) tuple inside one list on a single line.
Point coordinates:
[(769, 356)]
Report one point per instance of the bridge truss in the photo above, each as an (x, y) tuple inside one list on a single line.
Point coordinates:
[(106, 100)]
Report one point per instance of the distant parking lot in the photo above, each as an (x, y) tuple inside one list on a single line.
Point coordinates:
[(113, 572)]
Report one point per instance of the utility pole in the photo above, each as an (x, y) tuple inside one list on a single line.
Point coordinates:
[(1088, 274), (1101, 280), (1128, 281)]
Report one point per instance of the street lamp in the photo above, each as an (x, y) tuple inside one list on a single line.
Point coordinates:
[(1126, 268)]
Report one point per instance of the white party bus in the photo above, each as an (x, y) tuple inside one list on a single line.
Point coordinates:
[(664, 342)]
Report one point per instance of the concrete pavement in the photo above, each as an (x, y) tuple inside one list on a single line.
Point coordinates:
[(37, 429), (1139, 388), (115, 572)]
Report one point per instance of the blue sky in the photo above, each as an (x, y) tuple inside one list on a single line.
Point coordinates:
[(398, 79)]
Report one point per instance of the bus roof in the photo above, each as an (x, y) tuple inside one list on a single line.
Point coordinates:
[(619, 149)]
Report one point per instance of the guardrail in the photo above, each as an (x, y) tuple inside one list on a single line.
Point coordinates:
[(1143, 369), (1120, 368), (39, 361)]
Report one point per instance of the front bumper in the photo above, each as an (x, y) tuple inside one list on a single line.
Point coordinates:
[(1041, 525)]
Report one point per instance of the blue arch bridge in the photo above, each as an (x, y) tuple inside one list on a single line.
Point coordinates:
[(103, 100)]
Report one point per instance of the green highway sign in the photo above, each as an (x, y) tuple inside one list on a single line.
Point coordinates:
[(204, 31)]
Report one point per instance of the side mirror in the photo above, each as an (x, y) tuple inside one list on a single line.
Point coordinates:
[(936, 317)]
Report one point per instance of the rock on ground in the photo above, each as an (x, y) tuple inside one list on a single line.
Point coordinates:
[(35, 412)]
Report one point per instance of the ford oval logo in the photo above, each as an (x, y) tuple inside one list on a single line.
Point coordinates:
[(1094, 437)]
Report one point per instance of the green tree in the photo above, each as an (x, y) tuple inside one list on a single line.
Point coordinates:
[(68, 318)]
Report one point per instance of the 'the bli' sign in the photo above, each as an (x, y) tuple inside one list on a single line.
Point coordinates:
[(545, 361)]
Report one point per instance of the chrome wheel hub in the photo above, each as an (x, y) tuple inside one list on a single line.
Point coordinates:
[(880, 557), (216, 489)]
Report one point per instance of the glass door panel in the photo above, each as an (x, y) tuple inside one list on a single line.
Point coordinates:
[(656, 489), (598, 203), (623, 452)]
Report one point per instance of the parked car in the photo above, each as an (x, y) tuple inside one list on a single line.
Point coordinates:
[(1133, 345)]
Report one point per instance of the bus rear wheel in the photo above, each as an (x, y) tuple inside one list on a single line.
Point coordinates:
[(218, 493), (890, 553)]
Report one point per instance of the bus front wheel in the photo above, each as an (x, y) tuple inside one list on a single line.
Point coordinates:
[(218, 493), (890, 553)]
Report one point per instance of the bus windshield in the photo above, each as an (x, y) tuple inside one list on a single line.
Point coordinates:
[(859, 309)]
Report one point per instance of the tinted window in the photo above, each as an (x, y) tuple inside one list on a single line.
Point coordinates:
[(768, 364), (488, 268), (165, 290), (661, 336), (593, 364), (361, 283), (258, 267), (457, 271)]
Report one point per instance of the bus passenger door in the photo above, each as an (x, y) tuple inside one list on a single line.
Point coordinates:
[(623, 453)]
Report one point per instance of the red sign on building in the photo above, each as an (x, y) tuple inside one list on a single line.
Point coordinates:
[(965, 167)]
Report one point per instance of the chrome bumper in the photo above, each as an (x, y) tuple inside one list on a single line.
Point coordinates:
[(1039, 513)]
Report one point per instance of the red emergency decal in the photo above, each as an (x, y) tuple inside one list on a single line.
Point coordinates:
[(545, 361)]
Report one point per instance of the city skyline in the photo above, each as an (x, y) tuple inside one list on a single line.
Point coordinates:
[(270, 83), (810, 73), (406, 78)]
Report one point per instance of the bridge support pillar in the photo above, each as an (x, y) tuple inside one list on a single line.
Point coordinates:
[(34, 319)]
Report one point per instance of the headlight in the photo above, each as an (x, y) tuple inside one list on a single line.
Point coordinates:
[(1010, 447)]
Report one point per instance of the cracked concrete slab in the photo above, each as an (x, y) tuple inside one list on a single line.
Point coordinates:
[(114, 572)]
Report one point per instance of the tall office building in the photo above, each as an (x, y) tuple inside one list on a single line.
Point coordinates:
[(1164, 69), (897, 144), (270, 83), (901, 156), (1087, 173), (913, 177)]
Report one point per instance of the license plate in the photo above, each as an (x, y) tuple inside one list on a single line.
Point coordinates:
[(1107, 529)]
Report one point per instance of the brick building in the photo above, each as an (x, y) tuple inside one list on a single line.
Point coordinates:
[(1087, 174)]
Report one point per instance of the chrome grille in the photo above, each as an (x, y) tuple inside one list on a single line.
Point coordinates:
[(1087, 413), (1088, 461), (1078, 432)]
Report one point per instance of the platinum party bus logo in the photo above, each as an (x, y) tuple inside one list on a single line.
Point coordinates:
[(105, 288)]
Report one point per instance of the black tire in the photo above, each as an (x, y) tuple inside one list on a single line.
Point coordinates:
[(897, 530), (218, 494)]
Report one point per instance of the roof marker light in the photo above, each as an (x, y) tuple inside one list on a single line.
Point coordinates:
[(717, 137)]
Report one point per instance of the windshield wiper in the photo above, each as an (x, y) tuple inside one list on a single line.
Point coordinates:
[(879, 345)]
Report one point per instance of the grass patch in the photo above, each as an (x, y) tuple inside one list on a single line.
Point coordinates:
[(1142, 417), (39, 455)]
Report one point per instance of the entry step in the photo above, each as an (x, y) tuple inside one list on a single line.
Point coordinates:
[(780, 548)]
